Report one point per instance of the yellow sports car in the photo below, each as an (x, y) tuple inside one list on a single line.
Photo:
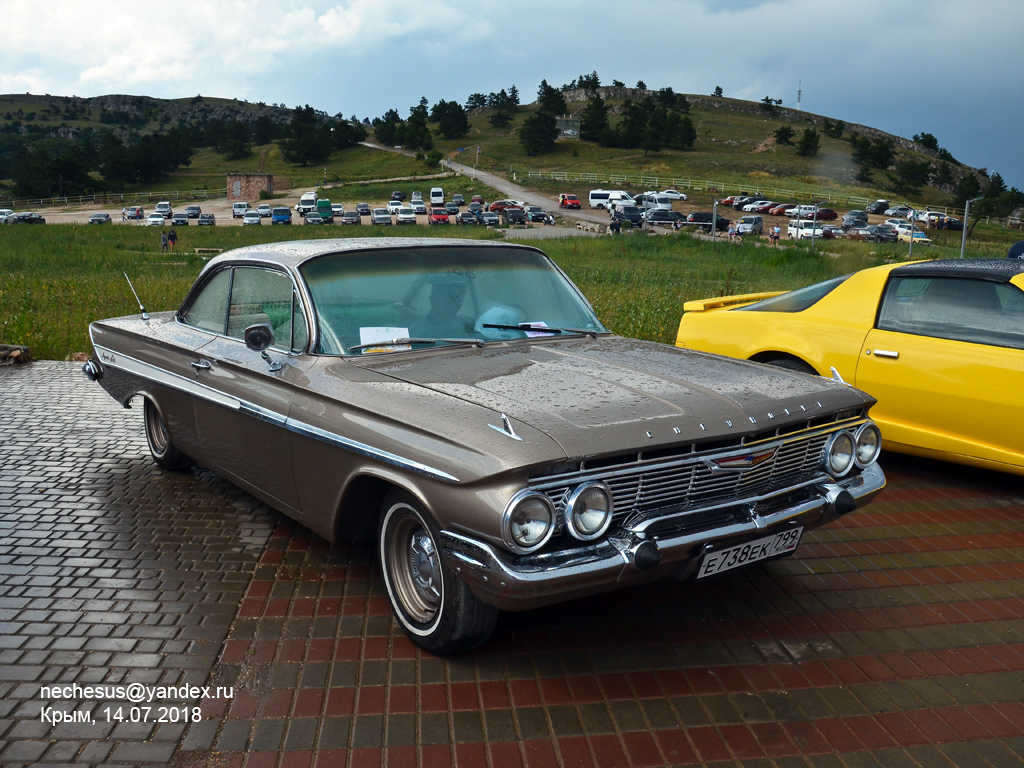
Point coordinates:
[(940, 344)]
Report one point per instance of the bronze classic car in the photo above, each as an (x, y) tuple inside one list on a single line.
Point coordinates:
[(460, 403)]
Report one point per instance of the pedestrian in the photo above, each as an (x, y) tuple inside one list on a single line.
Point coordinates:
[(731, 232), (124, 214), (172, 238), (163, 242), (776, 232)]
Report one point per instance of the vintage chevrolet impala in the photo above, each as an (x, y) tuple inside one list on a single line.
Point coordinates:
[(460, 403)]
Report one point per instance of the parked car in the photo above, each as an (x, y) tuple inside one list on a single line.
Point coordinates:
[(207, 220), (459, 199), (312, 218), (99, 218), (780, 209), (740, 200), (416, 196), (381, 216), (750, 225), (405, 215), (887, 233), (920, 238), (477, 199), (164, 209), (763, 207), (674, 194), (459, 448), (466, 217), (418, 207), (4, 213), (499, 205), (536, 213), (351, 218), (826, 214), (513, 215), (251, 218), (193, 211), (569, 201), (393, 206), (660, 217), (398, 195), (27, 217), (855, 219), (326, 210), (264, 210), (135, 212), (629, 213), (240, 208), (437, 216), (489, 218), (940, 344), (155, 220), (953, 224), (364, 209), (899, 211), (879, 206), (337, 209), (452, 208), (179, 220), (703, 220), (281, 215), (749, 207), (863, 232)]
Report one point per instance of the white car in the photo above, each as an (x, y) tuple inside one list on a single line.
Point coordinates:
[(418, 206), (155, 220), (251, 217), (264, 210), (756, 204), (674, 194), (405, 215), (899, 210), (803, 211), (337, 209), (4, 213), (164, 209), (394, 206)]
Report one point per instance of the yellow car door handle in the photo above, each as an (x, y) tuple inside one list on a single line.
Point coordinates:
[(886, 353)]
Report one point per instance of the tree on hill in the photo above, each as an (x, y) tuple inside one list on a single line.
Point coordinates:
[(451, 118), (308, 141), (784, 134), (927, 141), (538, 133), (809, 143), (551, 99), (910, 176), (594, 119), (717, 91)]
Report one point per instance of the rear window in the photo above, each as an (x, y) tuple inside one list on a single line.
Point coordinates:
[(798, 300)]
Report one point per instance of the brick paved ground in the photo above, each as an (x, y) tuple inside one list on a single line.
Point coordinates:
[(893, 639)]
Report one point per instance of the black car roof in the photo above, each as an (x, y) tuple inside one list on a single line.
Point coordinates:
[(995, 270)]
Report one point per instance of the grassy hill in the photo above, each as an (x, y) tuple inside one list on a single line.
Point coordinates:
[(734, 148)]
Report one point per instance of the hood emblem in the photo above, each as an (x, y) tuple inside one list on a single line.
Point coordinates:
[(506, 428), (745, 461)]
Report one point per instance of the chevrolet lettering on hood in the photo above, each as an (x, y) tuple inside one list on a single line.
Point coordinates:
[(460, 404)]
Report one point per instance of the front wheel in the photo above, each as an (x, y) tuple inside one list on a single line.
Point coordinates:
[(792, 364), (160, 446), (436, 610)]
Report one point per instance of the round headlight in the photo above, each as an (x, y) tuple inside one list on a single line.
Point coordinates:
[(869, 444), (588, 511), (528, 522), (839, 454)]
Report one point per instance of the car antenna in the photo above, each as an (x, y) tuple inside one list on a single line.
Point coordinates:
[(145, 315)]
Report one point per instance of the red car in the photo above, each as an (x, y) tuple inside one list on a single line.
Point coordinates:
[(569, 201), (500, 205), (780, 209), (827, 214), (437, 216), (764, 208), (729, 200)]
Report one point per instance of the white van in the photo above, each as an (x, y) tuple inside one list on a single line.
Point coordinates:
[(437, 196), (238, 210), (656, 202), (606, 198), (306, 203)]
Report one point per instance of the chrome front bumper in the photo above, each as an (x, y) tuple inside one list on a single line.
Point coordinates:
[(629, 555)]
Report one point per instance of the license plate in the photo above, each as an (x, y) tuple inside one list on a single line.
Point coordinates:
[(750, 552)]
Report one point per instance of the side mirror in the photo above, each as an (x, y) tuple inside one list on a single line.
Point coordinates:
[(258, 337)]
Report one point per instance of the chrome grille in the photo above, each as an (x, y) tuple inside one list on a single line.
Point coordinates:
[(644, 487)]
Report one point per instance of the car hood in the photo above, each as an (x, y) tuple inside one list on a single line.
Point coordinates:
[(605, 395)]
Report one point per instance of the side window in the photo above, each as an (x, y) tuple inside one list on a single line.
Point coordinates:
[(960, 309), (262, 296), (209, 311)]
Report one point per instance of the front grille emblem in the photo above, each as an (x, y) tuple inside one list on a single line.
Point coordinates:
[(746, 461)]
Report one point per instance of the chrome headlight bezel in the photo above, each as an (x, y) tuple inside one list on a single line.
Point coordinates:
[(572, 503), (860, 441), (515, 504), (833, 449)]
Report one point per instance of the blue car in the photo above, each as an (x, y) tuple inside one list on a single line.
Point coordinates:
[(281, 216)]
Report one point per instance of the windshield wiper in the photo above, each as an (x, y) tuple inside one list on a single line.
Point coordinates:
[(396, 342), (541, 329)]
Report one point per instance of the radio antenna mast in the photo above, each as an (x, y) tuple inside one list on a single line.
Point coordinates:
[(145, 315), (799, 92)]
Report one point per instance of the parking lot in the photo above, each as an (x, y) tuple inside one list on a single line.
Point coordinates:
[(893, 638)]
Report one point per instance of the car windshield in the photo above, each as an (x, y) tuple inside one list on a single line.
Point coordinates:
[(798, 300), (480, 294)]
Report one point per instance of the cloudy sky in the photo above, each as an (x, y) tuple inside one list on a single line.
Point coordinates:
[(946, 67)]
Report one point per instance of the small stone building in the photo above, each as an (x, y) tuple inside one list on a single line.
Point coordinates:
[(247, 186)]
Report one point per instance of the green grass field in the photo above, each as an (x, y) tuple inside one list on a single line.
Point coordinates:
[(60, 278)]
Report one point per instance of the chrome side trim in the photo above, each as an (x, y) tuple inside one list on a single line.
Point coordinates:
[(151, 372)]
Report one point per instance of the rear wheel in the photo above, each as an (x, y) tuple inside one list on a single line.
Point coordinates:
[(792, 364), (438, 611), (160, 446)]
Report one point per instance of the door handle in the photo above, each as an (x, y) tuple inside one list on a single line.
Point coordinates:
[(887, 353), (200, 365)]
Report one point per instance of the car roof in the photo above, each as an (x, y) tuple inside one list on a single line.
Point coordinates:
[(995, 270)]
